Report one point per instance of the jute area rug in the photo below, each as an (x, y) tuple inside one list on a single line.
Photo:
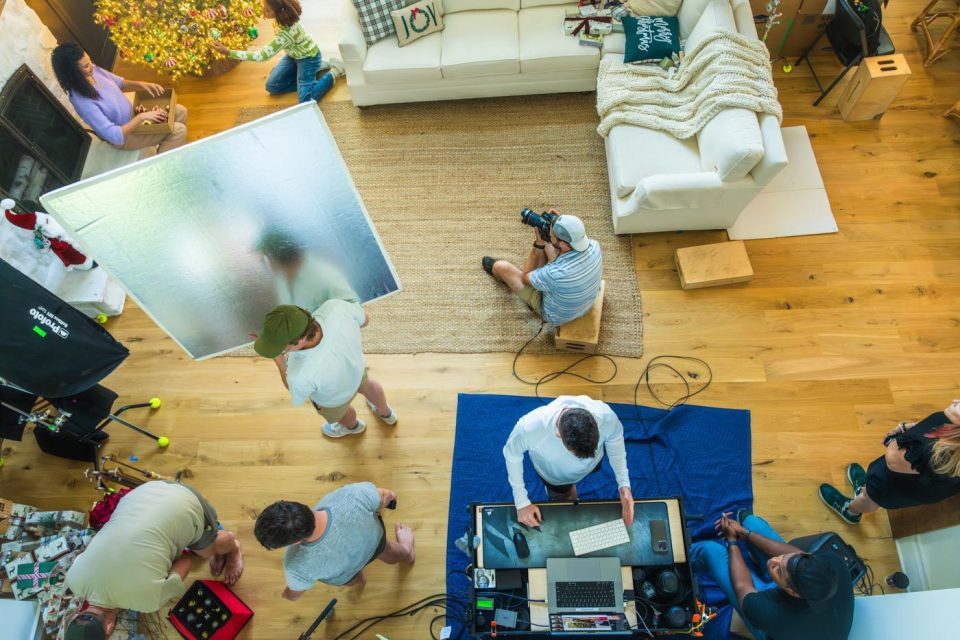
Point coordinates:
[(444, 183)]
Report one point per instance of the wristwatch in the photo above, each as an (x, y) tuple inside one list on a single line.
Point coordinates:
[(727, 543), (539, 246)]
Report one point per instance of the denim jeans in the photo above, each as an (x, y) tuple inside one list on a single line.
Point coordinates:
[(711, 558), (301, 76)]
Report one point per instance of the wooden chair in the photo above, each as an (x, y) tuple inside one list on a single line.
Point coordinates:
[(953, 112), (936, 50)]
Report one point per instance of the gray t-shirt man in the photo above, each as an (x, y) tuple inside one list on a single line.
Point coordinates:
[(351, 540)]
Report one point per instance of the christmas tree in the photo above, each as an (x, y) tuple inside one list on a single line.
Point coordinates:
[(174, 36)]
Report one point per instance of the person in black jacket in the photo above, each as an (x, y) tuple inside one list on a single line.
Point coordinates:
[(921, 465)]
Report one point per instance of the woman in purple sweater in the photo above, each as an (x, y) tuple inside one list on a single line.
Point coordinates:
[(97, 96)]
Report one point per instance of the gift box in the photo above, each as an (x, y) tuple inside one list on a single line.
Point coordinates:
[(16, 520), (591, 40), (209, 610), (53, 521), (55, 549), (594, 25), (143, 101)]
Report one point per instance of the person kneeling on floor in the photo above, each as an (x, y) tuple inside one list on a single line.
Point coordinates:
[(797, 596), (135, 561), (335, 540), (560, 279)]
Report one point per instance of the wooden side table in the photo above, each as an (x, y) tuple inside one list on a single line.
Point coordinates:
[(874, 86)]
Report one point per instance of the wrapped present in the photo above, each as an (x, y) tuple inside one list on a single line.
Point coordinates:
[(31, 577), (591, 40), (16, 520), (581, 25), (22, 546), (587, 10), (54, 549), (53, 521)]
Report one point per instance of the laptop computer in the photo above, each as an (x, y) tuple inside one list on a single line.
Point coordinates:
[(584, 585), (585, 597)]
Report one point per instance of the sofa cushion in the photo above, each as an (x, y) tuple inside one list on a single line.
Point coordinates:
[(453, 6), (653, 7), (529, 4), (635, 153), (375, 18), (545, 47), (716, 16), (480, 43), (689, 14), (731, 144), (417, 20), (387, 62), (650, 38)]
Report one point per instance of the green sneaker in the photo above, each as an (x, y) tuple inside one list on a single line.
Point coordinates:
[(837, 502), (857, 477)]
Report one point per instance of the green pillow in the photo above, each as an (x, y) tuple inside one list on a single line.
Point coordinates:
[(650, 38)]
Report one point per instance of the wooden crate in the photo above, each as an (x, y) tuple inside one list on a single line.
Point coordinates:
[(874, 86), (583, 334), (710, 265)]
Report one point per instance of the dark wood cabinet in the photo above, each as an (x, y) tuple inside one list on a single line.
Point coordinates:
[(72, 21)]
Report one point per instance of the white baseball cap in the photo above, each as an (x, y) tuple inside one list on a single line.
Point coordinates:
[(570, 229)]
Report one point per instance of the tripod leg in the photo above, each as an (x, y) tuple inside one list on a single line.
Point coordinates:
[(836, 80), (129, 425)]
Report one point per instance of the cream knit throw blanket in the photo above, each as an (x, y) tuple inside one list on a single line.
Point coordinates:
[(724, 70)]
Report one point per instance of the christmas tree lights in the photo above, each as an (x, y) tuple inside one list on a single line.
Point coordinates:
[(173, 36)]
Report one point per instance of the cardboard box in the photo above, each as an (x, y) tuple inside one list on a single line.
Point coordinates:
[(779, 39), (806, 28), (711, 265), (167, 102)]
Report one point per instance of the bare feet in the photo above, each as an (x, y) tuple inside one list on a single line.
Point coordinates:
[(405, 539), (216, 564), (359, 580), (233, 566)]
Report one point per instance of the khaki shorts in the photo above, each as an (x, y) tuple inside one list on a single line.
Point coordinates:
[(210, 524), (533, 298), (333, 414)]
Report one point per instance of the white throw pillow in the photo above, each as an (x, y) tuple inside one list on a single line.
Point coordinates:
[(653, 7), (731, 144), (417, 20)]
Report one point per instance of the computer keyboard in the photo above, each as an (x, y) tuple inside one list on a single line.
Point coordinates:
[(599, 536), (586, 595)]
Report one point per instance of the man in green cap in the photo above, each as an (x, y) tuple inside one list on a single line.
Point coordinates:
[(320, 357)]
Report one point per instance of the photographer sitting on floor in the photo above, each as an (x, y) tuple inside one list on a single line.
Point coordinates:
[(561, 278)]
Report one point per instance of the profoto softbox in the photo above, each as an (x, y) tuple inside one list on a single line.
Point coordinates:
[(47, 347)]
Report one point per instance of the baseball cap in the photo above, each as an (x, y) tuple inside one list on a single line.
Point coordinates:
[(283, 325), (813, 579), (85, 626), (570, 229)]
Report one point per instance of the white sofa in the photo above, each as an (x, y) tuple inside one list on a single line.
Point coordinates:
[(517, 47), (486, 48), (662, 183)]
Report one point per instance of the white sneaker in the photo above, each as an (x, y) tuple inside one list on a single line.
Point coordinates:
[(390, 419), (324, 65), (337, 430), (336, 67)]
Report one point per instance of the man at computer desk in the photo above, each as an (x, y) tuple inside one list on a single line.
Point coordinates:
[(566, 440), (798, 596)]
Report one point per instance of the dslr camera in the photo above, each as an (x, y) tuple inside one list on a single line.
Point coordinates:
[(542, 221)]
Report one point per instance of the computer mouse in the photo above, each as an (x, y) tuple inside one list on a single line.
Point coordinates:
[(520, 542)]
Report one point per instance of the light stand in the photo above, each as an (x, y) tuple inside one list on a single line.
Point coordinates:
[(327, 612)]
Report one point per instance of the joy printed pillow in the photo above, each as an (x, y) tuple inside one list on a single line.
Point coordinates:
[(417, 20)]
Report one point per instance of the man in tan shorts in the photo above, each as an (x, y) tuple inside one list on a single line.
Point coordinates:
[(320, 358)]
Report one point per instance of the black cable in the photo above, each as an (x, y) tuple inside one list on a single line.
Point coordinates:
[(435, 600)]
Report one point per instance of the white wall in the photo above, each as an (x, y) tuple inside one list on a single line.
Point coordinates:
[(931, 560), (26, 39), (926, 615)]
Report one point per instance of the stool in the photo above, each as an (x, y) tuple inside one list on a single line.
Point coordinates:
[(935, 50), (873, 87), (583, 334), (710, 265)]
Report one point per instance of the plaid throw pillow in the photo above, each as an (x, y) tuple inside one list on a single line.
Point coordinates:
[(375, 19)]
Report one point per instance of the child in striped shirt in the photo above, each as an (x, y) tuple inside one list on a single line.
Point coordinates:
[(298, 69)]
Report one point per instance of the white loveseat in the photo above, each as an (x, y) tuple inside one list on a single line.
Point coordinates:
[(516, 47), (662, 183), (486, 48)]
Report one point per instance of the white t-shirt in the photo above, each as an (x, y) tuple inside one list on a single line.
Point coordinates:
[(536, 434), (127, 565), (330, 373)]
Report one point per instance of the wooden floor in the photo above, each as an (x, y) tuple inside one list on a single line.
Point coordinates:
[(835, 339)]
